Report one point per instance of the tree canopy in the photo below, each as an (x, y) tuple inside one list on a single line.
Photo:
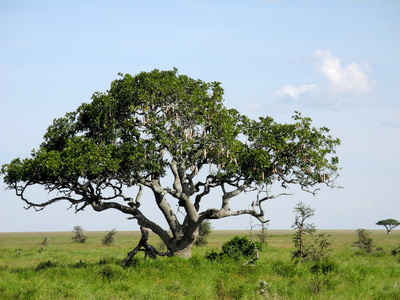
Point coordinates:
[(160, 124), (389, 224)]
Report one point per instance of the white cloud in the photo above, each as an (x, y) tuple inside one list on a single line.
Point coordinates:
[(350, 79), (343, 85), (295, 92)]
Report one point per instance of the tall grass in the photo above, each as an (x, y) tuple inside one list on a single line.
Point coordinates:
[(65, 269)]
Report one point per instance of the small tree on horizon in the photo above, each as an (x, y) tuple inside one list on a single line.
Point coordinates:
[(108, 239), (365, 242), (79, 237), (204, 231), (389, 224)]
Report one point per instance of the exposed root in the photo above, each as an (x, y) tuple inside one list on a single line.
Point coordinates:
[(150, 250)]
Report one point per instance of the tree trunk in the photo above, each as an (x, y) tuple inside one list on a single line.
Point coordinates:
[(180, 248), (182, 251), (181, 245)]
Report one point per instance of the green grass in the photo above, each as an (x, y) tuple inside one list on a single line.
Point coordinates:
[(92, 271)]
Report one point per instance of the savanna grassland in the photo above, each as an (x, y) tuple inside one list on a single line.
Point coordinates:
[(90, 270)]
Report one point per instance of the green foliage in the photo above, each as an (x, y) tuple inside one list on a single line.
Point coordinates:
[(83, 271), (160, 123), (365, 242), (45, 265), (204, 232), (317, 249), (236, 248), (395, 251), (389, 224), (108, 239), (79, 236), (302, 228)]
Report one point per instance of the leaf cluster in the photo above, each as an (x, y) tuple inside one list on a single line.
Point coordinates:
[(388, 222), (236, 248)]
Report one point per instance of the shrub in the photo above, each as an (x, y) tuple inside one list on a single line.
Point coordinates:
[(212, 255), (318, 251), (46, 265), (364, 242), (236, 248), (324, 266), (79, 237), (45, 241), (302, 228), (108, 239), (204, 232), (395, 251), (240, 247)]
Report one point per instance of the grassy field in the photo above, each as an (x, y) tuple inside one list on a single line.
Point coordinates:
[(65, 269)]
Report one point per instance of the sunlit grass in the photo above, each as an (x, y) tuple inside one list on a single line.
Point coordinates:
[(65, 269)]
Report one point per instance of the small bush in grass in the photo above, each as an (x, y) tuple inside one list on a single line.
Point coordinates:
[(110, 272), (79, 237), (45, 241), (45, 265), (240, 247), (108, 239), (236, 248), (204, 232), (212, 255), (364, 242), (395, 251)]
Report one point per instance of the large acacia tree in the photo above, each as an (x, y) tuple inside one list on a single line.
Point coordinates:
[(171, 134)]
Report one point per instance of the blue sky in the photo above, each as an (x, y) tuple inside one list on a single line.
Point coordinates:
[(336, 61)]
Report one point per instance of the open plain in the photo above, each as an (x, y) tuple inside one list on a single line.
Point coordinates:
[(64, 269)]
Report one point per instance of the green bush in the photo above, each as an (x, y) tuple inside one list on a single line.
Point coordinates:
[(395, 251), (108, 239), (364, 242), (79, 237), (204, 232), (46, 265), (236, 248)]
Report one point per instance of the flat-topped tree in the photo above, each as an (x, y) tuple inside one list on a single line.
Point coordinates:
[(158, 124), (389, 224)]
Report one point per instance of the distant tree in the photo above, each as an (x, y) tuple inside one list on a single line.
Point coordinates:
[(204, 232), (302, 228), (389, 224), (365, 242), (316, 249), (160, 124), (79, 237), (108, 239)]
